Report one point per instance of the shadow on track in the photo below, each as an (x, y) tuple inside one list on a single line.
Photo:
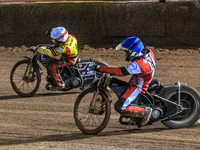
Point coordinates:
[(78, 136), (74, 136), (10, 97), (70, 137)]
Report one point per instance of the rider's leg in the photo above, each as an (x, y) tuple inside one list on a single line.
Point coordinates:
[(52, 77), (55, 75), (124, 105), (53, 69), (58, 64), (118, 86)]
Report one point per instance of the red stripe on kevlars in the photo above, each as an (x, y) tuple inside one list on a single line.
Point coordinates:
[(111, 70), (129, 91)]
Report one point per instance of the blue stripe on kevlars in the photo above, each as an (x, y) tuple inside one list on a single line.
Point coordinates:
[(119, 90)]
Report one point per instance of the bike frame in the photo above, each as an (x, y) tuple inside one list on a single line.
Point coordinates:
[(152, 95)]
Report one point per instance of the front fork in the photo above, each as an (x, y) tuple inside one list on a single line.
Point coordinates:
[(27, 74), (94, 98), (96, 104), (93, 108)]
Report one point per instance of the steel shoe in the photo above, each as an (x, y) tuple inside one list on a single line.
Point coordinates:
[(147, 116)]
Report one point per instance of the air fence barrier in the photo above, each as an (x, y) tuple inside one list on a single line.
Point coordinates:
[(103, 24)]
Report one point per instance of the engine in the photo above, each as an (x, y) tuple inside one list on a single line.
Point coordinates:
[(73, 82)]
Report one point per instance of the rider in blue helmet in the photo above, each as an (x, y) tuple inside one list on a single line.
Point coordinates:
[(132, 46), (142, 68)]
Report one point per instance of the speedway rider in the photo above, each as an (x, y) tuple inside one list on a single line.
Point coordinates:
[(65, 45), (142, 69)]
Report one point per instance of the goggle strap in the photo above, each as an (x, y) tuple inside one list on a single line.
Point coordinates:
[(134, 45)]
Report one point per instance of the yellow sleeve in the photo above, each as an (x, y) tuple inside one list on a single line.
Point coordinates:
[(62, 49), (69, 48), (47, 52)]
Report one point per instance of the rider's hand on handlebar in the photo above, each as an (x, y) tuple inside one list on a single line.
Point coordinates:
[(49, 47), (32, 48)]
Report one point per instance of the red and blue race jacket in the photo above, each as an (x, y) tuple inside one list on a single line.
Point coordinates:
[(142, 72)]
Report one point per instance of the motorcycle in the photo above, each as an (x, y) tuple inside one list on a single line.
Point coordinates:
[(175, 105), (25, 75)]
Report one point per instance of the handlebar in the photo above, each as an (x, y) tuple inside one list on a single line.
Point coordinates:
[(34, 48)]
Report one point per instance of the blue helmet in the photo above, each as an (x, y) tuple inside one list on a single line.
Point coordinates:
[(132, 46)]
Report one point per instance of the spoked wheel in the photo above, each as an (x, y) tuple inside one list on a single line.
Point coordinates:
[(189, 100), (25, 79), (91, 111)]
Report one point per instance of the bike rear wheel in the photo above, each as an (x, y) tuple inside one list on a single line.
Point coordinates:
[(190, 100), (25, 78), (89, 119)]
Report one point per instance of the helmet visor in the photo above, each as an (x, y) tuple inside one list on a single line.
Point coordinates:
[(119, 47)]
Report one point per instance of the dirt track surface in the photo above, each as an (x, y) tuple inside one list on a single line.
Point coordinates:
[(45, 121)]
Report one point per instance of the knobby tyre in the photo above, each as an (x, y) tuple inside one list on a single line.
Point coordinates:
[(25, 85), (91, 121), (190, 100)]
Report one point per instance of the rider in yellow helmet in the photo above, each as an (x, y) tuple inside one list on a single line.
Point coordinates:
[(65, 45)]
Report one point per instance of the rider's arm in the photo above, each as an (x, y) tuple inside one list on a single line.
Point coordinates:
[(133, 68), (69, 48), (47, 51), (54, 52)]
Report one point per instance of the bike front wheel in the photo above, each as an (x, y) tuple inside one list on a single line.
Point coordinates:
[(92, 111), (25, 78)]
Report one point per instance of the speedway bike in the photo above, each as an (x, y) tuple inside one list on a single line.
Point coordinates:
[(176, 105), (25, 76)]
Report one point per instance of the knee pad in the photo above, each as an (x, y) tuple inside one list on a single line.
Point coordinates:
[(119, 104)]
